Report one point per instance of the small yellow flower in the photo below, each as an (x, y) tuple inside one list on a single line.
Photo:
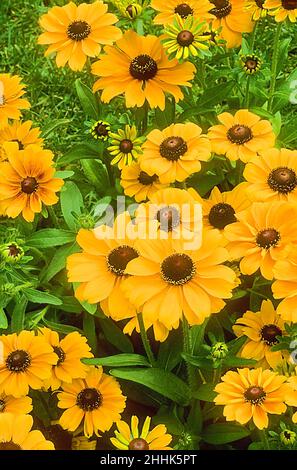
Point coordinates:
[(125, 146), (282, 9), (256, 8), (185, 38), (129, 438)]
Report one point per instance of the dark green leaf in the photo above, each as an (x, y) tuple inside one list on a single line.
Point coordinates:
[(18, 315), (205, 392), (81, 151), (96, 173), (222, 433), (89, 328), (58, 262), (60, 328), (115, 336), (165, 383), (239, 362)]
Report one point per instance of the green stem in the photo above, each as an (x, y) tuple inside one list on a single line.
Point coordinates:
[(254, 37), (53, 216), (239, 169), (145, 118), (188, 346), (145, 340), (274, 65), (247, 92)]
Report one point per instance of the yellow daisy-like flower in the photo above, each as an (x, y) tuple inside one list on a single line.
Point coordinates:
[(20, 132), (250, 63), (285, 286), (261, 329), (139, 67), (27, 180), (185, 38), (168, 282), (169, 8), (241, 136), (272, 176), (28, 361), (16, 434), (282, 9), (17, 406), (129, 437), (252, 394), (100, 268), (173, 211), (76, 32), (256, 8), (221, 209), (97, 401), (70, 350), (262, 235), (11, 101), (100, 130), (138, 183), (232, 19), (175, 153), (125, 146)]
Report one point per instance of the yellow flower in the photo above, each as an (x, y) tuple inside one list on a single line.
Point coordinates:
[(174, 153), (16, 434), (250, 63), (185, 38), (285, 286), (125, 146), (262, 235), (168, 282), (20, 132), (169, 8), (233, 20), (272, 176), (100, 130), (129, 438), (76, 32), (138, 67), (97, 401), (241, 136), (70, 350), (11, 101), (261, 329), (173, 211), (16, 406), (138, 184), (27, 180), (100, 267), (282, 9), (28, 361), (252, 394), (256, 8), (221, 209)]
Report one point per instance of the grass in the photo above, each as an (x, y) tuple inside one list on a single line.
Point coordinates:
[(50, 90)]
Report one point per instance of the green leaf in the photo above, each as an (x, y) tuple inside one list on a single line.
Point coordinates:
[(49, 128), (205, 392), (166, 117), (115, 336), (49, 237), (64, 174), (199, 361), (119, 360), (80, 151), (211, 97), (39, 297), (88, 100), (239, 362), (60, 328), (96, 173), (222, 433), (163, 382), (18, 315), (3, 320), (89, 328), (169, 354), (57, 262), (71, 203), (203, 183)]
